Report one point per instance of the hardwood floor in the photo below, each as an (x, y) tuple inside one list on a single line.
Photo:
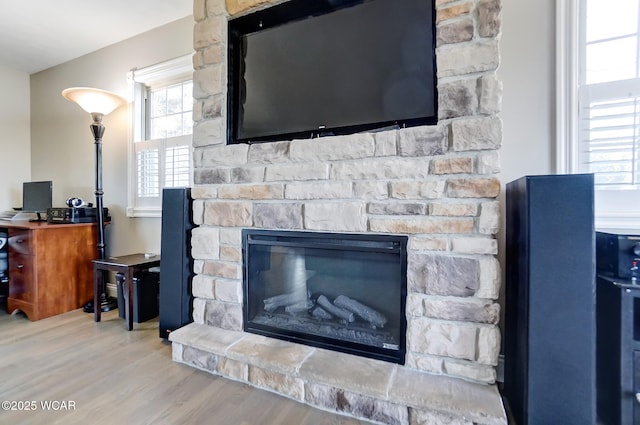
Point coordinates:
[(106, 375)]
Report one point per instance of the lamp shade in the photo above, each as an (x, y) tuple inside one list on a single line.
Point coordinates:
[(93, 100)]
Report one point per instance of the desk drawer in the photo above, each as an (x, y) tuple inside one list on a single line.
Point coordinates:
[(21, 277), (20, 241)]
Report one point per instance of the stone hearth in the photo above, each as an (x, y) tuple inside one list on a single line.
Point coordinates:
[(435, 184), (365, 388)]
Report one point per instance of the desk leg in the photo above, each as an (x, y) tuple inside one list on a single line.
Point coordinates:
[(128, 279), (98, 277)]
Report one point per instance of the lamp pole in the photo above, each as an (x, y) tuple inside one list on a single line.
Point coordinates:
[(101, 301), (97, 128)]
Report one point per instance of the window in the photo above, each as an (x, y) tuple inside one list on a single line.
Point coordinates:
[(609, 93), (599, 103), (161, 133)]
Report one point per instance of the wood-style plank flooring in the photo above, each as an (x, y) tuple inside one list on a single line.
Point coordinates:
[(111, 376)]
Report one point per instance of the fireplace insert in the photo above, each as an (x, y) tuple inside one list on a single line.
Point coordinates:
[(344, 292)]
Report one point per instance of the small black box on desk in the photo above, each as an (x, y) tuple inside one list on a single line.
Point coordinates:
[(145, 295)]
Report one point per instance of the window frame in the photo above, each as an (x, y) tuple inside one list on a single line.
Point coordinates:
[(614, 209), (173, 71)]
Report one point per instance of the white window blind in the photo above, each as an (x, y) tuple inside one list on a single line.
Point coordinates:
[(609, 135), (161, 133), (148, 170), (177, 165)]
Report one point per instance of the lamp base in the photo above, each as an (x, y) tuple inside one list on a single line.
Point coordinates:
[(107, 303)]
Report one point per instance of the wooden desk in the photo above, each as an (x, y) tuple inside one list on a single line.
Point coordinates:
[(128, 265), (49, 266)]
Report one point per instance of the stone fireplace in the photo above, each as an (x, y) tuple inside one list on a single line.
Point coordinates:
[(434, 185)]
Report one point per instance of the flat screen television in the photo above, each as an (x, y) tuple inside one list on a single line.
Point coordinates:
[(37, 197), (308, 68)]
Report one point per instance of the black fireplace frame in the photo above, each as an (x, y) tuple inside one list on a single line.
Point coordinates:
[(395, 244)]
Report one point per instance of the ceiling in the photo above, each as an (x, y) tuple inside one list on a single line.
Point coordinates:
[(38, 34)]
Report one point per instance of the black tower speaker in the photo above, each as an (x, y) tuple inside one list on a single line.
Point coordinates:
[(176, 268), (550, 322)]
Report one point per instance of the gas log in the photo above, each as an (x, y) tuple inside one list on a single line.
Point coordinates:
[(321, 314), (336, 311), (299, 307), (343, 307), (283, 300), (366, 313)]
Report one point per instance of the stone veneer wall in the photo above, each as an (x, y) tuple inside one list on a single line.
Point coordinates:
[(436, 184)]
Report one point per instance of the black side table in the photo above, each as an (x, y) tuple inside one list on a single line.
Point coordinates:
[(128, 265)]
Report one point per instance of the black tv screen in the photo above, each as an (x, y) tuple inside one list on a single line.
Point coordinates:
[(37, 196), (307, 68)]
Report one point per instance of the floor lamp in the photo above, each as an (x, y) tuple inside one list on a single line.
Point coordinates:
[(98, 103)]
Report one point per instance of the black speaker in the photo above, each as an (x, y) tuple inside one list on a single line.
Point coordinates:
[(145, 295), (176, 267), (550, 322)]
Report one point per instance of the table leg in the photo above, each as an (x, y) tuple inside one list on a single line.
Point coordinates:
[(128, 278), (98, 276)]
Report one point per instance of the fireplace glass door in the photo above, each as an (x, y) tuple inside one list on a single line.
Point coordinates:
[(344, 292)]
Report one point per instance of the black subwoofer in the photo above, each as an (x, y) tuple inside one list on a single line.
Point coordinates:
[(550, 348), (145, 295), (176, 267)]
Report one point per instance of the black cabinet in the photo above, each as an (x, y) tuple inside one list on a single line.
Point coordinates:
[(618, 351), (550, 322), (176, 269), (635, 410)]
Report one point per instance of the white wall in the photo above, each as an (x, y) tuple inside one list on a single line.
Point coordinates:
[(528, 110), (62, 146), (15, 139), (528, 75), (527, 71)]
